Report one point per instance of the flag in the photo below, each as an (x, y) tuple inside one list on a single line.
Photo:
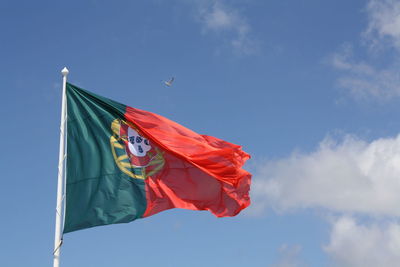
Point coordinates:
[(124, 163)]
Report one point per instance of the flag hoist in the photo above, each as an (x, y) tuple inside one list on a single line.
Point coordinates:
[(61, 177)]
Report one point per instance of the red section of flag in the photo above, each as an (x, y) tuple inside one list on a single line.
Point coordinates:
[(200, 172)]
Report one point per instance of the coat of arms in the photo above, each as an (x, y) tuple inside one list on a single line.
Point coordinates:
[(133, 153)]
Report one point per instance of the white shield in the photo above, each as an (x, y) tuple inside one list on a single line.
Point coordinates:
[(138, 145)]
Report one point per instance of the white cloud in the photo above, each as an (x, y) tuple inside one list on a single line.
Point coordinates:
[(349, 176), (289, 256), (384, 22), (363, 81), (225, 20), (361, 78), (355, 245), (219, 18)]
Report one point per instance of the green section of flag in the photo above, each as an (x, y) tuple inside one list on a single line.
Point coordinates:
[(97, 192)]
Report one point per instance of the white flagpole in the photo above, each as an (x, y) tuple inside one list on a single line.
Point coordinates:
[(60, 182)]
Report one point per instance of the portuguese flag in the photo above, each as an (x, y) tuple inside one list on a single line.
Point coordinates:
[(124, 163)]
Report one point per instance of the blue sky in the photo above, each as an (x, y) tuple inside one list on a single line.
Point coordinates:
[(309, 88)]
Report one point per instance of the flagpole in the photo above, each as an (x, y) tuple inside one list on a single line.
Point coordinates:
[(60, 182)]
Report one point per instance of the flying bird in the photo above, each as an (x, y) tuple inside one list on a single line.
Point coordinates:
[(169, 83)]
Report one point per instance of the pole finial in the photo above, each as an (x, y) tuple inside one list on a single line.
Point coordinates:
[(65, 71)]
